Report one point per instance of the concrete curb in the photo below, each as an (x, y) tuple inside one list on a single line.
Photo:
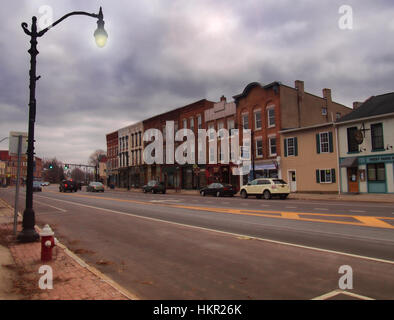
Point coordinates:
[(96, 272), (85, 265)]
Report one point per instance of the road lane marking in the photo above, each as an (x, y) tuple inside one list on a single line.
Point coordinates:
[(317, 217), (372, 221), (338, 292), (45, 204), (164, 201), (226, 232)]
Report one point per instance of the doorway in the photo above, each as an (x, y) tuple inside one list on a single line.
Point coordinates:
[(352, 178), (292, 180)]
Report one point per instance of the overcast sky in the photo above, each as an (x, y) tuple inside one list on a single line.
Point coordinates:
[(163, 54)]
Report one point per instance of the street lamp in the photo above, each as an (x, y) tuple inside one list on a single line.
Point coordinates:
[(28, 233)]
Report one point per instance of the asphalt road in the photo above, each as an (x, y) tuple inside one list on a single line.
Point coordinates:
[(190, 247)]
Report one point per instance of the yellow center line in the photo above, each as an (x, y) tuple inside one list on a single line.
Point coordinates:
[(364, 221)]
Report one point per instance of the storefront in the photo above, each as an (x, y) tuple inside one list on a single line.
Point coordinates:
[(266, 170), (367, 174)]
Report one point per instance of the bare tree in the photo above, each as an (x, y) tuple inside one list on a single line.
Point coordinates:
[(53, 170), (94, 160), (78, 175)]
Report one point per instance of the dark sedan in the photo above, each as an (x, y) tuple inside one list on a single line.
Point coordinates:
[(218, 190), (154, 187), (68, 185), (37, 186)]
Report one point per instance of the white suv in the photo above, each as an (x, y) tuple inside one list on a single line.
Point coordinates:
[(265, 187)]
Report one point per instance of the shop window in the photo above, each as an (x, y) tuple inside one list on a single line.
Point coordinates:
[(376, 172), (377, 136)]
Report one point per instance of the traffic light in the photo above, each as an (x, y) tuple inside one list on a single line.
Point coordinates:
[(66, 166), (50, 166)]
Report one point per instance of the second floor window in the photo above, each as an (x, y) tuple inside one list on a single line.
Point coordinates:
[(230, 126), (377, 136), (259, 147), (291, 147), (271, 117), (257, 120), (324, 144), (272, 145), (245, 121), (199, 122), (352, 145)]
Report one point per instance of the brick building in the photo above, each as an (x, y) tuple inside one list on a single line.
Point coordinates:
[(11, 166), (112, 158), (268, 109), (131, 171), (187, 176), (221, 116)]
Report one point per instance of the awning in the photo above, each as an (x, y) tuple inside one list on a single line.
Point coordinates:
[(268, 166), (349, 162)]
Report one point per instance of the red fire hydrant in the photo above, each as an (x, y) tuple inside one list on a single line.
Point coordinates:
[(47, 243)]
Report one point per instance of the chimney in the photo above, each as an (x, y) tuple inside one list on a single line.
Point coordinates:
[(299, 85), (223, 98), (356, 105), (327, 94)]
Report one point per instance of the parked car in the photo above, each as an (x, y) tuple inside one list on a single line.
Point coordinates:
[(45, 183), (68, 185), (37, 186), (95, 187), (265, 187), (218, 190), (154, 186)]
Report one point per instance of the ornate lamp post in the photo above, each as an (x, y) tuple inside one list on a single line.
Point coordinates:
[(29, 234)]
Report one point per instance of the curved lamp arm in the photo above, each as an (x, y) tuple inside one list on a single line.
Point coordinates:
[(100, 32)]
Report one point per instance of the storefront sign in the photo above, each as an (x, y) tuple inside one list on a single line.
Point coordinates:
[(376, 159)]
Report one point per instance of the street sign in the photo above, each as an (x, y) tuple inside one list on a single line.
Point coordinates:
[(13, 142)]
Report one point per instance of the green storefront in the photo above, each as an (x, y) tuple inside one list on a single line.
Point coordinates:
[(379, 172)]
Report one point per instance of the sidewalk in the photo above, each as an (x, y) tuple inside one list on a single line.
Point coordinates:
[(367, 197), (73, 279)]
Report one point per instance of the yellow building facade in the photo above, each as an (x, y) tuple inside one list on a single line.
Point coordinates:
[(309, 159)]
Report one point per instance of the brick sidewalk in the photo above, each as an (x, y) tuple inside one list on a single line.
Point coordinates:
[(73, 279)]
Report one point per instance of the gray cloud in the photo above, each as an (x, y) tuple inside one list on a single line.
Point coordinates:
[(168, 53)]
